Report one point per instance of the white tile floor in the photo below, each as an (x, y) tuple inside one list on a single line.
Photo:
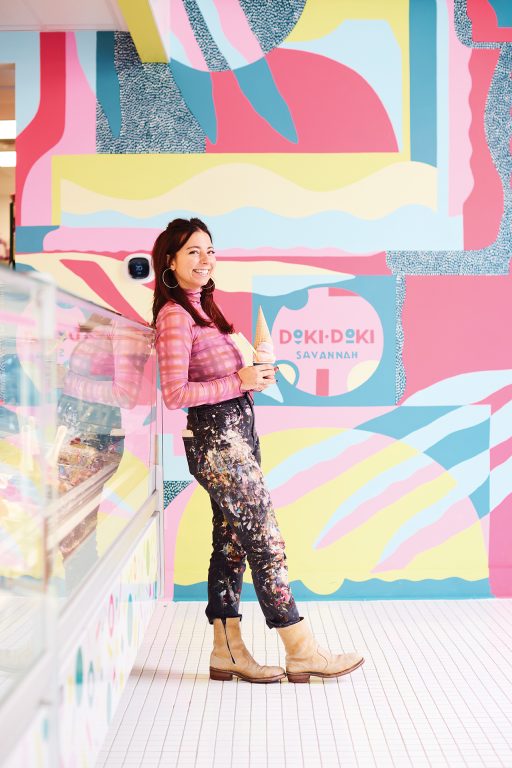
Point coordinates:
[(436, 690)]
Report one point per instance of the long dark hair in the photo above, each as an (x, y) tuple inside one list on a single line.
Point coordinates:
[(166, 246)]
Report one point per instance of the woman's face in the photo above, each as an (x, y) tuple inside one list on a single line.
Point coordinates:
[(194, 263)]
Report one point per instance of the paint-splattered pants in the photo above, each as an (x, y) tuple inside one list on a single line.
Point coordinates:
[(224, 457)]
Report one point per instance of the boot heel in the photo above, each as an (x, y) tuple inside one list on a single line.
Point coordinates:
[(298, 677), (220, 674)]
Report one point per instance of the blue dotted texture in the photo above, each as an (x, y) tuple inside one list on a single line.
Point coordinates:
[(172, 488), (155, 117)]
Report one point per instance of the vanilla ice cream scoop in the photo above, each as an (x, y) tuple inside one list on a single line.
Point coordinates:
[(265, 352)]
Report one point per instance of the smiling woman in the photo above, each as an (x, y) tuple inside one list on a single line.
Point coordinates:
[(195, 262), (202, 368), (199, 362)]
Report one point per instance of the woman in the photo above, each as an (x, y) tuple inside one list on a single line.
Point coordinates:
[(201, 368)]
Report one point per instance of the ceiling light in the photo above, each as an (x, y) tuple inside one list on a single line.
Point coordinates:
[(7, 159), (7, 129)]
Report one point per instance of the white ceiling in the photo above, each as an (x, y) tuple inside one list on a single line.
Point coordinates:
[(55, 15)]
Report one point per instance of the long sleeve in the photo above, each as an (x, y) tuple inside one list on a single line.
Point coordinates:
[(108, 366), (176, 333)]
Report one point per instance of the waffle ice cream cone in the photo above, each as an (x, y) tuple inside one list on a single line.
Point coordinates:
[(263, 343)]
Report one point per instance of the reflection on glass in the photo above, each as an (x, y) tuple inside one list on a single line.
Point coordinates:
[(102, 380), (77, 427)]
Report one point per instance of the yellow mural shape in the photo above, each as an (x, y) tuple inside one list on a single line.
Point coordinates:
[(143, 26), (320, 17), (361, 373), (245, 185), (142, 177), (354, 555)]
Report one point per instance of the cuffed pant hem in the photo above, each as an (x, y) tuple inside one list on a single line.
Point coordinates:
[(273, 625), (226, 615)]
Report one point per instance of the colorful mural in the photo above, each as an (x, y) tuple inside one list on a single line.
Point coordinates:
[(353, 162)]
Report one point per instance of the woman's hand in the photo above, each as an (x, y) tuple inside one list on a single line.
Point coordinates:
[(257, 377)]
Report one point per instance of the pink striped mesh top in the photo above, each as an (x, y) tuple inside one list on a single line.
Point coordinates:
[(197, 365), (107, 364)]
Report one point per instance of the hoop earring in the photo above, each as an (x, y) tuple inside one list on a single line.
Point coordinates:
[(163, 279), (209, 287)]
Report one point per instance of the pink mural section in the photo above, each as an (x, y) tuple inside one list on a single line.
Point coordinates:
[(333, 108), (500, 561), (460, 176), (455, 326), (68, 123), (47, 127), (484, 22), (237, 30), (181, 29), (483, 210)]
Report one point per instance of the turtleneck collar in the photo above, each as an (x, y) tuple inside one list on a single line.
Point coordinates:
[(194, 295)]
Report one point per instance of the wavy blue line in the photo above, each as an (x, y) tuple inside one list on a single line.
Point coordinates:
[(469, 476), (481, 498), (454, 420), (399, 422), (461, 445), (379, 484), (464, 389), (452, 588), (375, 486), (409, 227), (315, 454)]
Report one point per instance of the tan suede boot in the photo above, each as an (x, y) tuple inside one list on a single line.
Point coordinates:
[(304, 657), (230, 656)]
